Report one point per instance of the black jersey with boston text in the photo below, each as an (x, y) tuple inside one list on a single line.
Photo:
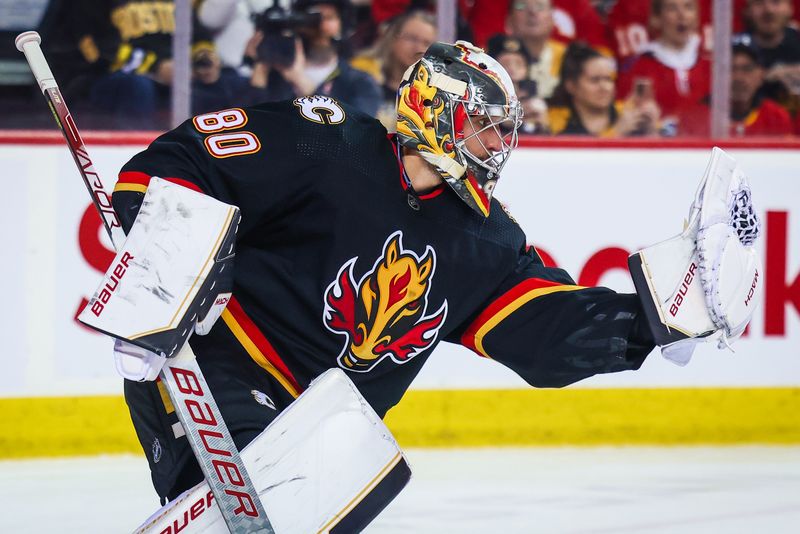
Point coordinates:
[(339, 263)]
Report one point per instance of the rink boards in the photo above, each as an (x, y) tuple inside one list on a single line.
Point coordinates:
[(584, 208)]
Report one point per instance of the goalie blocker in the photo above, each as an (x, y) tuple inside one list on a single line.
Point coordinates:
[(705, 283), (172, 277)]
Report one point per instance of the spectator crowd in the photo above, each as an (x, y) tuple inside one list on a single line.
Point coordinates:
[(604, 68)]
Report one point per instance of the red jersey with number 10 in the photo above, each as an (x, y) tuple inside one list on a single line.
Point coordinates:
[(629, 29)]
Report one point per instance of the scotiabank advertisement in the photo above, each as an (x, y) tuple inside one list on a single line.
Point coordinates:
[(584, 209)]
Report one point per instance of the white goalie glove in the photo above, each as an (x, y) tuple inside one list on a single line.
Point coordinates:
[(705, 283)]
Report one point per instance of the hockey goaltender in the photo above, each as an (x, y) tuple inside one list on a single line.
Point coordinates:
[(361, 251)]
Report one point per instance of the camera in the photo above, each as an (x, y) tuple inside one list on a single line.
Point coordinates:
[(280, 26)]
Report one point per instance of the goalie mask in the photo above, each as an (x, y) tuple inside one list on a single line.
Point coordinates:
[(453, 88)]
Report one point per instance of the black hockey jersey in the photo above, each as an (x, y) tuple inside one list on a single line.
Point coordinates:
[(340, 263)]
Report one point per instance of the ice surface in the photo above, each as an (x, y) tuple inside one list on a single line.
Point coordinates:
[(562, 490)]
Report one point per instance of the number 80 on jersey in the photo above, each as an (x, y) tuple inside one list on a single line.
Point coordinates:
[(227, 144)]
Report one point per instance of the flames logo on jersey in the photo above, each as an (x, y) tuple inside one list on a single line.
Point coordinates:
[(383, 315)]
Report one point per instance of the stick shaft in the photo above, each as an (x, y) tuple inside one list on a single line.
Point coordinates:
[(212, 444), (28, 44)]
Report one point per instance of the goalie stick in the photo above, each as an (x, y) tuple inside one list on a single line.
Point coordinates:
[(197, 410)]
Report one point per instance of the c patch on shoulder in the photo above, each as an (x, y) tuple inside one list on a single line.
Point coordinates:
[(320, 109)]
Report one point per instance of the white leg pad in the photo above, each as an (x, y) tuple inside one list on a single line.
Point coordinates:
[(326, 464)]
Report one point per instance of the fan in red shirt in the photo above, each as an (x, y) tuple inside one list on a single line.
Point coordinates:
[(674, 65), (751, 113), (765, 118), (629, 27), (578, 20), (573, 19)]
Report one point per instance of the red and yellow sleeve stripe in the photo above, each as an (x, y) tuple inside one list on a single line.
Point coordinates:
[(258, 346), (138, 181), (504, 306)]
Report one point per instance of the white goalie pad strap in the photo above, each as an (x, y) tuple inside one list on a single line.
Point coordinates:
[(156, 277), (326, 464), (705, 282), (445, 164)]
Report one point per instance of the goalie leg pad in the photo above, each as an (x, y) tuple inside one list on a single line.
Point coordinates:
[(173, 270), (326, 464)]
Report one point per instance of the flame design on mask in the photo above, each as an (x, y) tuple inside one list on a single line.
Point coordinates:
[(383, 315), (418, 121)]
